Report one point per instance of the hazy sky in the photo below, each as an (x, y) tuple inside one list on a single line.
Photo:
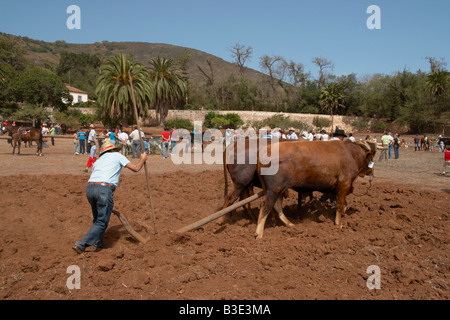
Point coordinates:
[(294, 29)]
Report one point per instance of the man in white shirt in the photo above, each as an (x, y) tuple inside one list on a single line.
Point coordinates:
[(324, 135), (123, 138), (276, 134), (351, 137), (292, 134), (92, 137), (310, 136), (136, 144)]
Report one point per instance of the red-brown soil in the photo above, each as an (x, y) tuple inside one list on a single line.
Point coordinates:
[(400, 224)]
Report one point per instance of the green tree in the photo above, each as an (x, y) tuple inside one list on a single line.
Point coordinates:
[(114, 90), (168, 87), (331, 99), (80, 70), (39, 87), (32, 113), (437, 82)]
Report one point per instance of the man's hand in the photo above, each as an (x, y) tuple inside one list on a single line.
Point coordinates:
[(144, 156)]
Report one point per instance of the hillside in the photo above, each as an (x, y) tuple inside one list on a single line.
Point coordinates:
[(46, 54)]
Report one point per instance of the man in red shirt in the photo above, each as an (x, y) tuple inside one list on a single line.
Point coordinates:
[(165, 143)]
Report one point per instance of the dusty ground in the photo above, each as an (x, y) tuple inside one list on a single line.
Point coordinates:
[(401, 225)]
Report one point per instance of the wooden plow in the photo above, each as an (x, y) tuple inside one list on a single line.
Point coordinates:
[(220, 213)]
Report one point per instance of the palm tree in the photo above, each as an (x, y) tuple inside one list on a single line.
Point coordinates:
[(114, 91), (437, 82), (332, 98), (168, 87)]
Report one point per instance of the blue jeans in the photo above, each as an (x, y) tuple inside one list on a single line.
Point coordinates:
[(390, 151), (136, 148), (102, 203), (165, 149), (173, 146), (82, 146), (396, 149)]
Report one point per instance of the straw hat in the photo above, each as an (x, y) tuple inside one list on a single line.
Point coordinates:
[(91, 126), (108, 146)]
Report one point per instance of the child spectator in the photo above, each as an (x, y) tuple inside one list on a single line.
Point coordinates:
[(92, 156)]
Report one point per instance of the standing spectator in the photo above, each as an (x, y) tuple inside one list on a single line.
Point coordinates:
[(45, 131), (351, 137), (165, 143), (440, 143), (123, 140), (324, 135), (276, 133), (446, 159), (136, 144), (52, 133), (385, 140), (416, 143), (396, 146), (112, 136), (57, 129), (146, 144), (91, 137), (101, 138), (99, 192), (76, 143), (433, 144), (92, 156), (317, 136), (82, 140), (292, 134), (173, 140), (310, 136), (339, 134), (227, 137), (391, 141)]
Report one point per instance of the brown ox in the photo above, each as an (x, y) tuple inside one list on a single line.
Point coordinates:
[(238, 162), (327, 166)]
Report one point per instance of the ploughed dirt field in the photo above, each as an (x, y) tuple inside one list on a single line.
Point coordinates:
[(400, 224)]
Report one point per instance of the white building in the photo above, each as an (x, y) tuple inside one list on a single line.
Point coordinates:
[(77, 94)]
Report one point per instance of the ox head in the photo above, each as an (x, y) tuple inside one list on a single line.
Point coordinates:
[(370, 148)]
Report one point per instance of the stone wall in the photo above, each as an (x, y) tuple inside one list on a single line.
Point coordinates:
[(343, 122)]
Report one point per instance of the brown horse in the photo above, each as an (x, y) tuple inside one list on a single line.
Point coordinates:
[(10, 130), (27, 135)]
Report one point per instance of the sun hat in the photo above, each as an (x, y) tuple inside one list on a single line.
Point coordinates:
[(91, 126), (108, 146)]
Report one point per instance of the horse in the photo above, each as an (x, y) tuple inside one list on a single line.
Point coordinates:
[(13, 129), (10, 129), (26, 135)]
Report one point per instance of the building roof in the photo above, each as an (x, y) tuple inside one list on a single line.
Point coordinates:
[(74, 90)]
